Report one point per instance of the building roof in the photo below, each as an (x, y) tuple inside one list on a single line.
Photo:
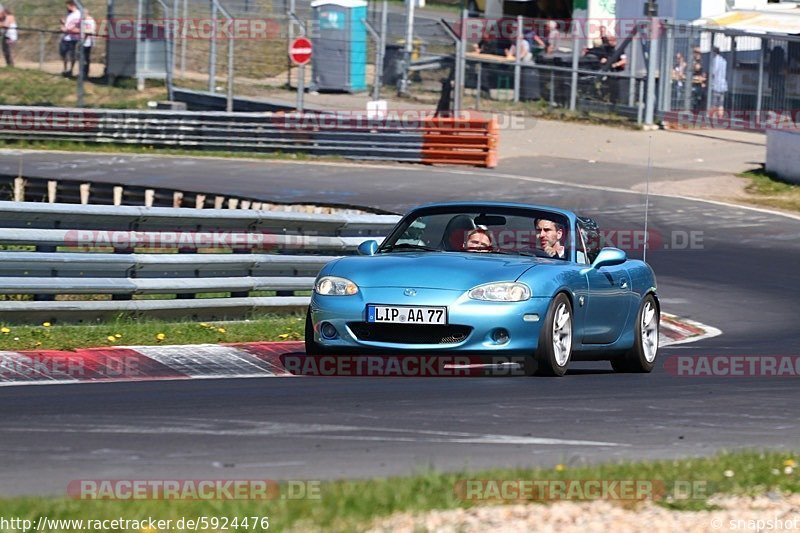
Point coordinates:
[(781, 22)]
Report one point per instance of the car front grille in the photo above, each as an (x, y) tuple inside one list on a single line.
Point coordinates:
[(409, 333)]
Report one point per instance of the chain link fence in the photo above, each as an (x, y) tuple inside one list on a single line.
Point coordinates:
[(201, 43), (758, 78)]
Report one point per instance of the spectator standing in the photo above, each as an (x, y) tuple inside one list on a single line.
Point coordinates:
[(8, 26), (699, 80), (71, 34), (719, 83), (89, 31), (554, 37), (679, 75)]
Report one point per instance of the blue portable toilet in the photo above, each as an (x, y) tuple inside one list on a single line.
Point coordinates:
[(340, 45)]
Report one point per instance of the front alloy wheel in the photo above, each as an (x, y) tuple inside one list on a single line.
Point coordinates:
[(555, 339)]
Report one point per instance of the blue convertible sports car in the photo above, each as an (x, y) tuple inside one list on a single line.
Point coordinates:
[(525, 282)]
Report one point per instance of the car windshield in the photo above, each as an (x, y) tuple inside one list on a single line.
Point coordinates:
[(494, 231)]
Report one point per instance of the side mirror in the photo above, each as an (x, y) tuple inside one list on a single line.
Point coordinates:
[(368, 247), (609, 257)]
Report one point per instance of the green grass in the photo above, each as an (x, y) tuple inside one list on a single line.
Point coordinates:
[(131, 331), (769, 190), (34, 87), (353, 505)]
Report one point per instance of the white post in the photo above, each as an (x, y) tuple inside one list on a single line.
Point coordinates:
[(212, 54), (409, 48)]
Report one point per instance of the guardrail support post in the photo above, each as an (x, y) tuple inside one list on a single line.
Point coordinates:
[(219, 201), (19, 189), (85, 188), (149, 196), (177, 199), (200, 201), (52, 187), (118, 190)]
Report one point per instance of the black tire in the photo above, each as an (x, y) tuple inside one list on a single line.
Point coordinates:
[(312, 346), (642, 357), (546, 361)]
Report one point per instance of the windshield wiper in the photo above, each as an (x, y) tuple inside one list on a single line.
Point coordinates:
[(409, 246)]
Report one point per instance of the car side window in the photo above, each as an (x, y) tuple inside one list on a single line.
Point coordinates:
[(581, 257), (590, 235)]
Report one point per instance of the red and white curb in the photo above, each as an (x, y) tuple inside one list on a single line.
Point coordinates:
[(212, 361), (675, 330)]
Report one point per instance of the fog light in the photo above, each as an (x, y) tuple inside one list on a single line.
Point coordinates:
[(328, 331), (500, 336)]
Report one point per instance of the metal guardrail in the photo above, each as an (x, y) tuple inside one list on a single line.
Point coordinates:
[(418, 139), (55, 254)]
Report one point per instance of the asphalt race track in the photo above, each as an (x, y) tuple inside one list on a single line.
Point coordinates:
[(736, 277)]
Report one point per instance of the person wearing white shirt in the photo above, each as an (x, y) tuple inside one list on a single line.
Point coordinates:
[(8, 26), (719, 83), (525, 54), (89, 31), (71, 34)]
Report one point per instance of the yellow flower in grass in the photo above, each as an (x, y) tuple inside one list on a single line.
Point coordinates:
[(5, 330), (283, 336), (559, 467), (111, 338), (117, 335), (221, 330), (37, 344), (46, 324), (160, 337), (203, 325), (790, 462)]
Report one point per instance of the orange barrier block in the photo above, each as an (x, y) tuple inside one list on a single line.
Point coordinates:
[(460, 141)]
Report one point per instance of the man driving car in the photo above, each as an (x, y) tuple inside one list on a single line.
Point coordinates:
[(549, 235)]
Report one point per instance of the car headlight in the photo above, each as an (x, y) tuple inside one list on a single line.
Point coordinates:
[(501, 292), (333, 286)]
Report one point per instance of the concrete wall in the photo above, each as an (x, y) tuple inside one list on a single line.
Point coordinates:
[(783, 153)]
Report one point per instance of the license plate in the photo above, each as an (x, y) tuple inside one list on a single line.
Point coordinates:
[(395, 314)]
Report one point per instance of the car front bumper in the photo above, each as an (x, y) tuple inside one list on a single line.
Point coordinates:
[(476, 321)]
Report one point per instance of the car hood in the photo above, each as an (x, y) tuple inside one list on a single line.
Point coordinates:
[(454, 271)]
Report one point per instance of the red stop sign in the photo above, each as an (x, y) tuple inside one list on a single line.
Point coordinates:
[(300, 51)]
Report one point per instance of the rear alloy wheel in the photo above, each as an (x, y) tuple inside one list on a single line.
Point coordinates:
[(555, 339), (642, 357), (312, 346)]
